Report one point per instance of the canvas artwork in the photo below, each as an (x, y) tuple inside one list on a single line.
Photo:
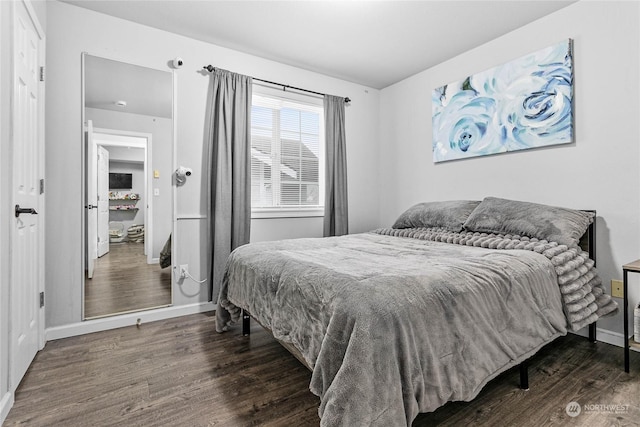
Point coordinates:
[(526, 103)]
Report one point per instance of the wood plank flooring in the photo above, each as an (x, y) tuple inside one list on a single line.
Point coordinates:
[(180, 372), (123, 281)]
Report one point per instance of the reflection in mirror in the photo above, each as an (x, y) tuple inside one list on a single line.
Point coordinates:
[(128, 125)]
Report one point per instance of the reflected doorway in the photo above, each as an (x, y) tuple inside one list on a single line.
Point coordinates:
[(122, 275)]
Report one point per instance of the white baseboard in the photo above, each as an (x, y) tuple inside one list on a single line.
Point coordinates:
[(606, 336), (5, 405), (129, 319), (610, 337)]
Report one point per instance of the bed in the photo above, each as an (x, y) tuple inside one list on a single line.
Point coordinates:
[(401, 320)]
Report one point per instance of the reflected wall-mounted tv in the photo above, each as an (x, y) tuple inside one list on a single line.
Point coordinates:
[(120, 181)]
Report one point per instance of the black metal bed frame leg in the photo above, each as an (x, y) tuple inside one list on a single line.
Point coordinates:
[(246, 323), (592, 332), (524, 366), (524, 375)]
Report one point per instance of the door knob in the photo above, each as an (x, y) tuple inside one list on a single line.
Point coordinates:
[(20, 210), (91, 206)]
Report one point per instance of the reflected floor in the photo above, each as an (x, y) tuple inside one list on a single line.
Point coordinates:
[(123, 281)]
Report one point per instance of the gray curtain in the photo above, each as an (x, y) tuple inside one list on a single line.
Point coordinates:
[(336, 215), (229, 140)]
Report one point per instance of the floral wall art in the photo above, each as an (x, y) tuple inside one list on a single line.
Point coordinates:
[(526, 103)]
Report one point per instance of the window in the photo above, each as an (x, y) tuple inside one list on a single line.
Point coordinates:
[(287, 155)]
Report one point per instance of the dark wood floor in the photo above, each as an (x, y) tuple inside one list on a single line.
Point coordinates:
[(180, 372), (123, 282)]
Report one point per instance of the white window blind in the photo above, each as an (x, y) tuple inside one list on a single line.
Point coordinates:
[(287, 154)]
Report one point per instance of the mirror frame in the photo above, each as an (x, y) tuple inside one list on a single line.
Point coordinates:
[(83, 188)]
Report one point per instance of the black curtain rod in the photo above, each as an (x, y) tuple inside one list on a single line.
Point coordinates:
[(210, 69)]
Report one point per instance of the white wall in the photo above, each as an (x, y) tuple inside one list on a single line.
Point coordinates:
[(72, 30), (601, 170), (125, 154)]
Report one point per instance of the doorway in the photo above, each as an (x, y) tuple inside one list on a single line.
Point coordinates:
[(122, 273)]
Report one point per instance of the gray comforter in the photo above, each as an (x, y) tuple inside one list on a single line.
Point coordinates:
[(393, 326)]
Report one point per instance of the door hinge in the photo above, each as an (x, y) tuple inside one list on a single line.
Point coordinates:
[(42, 73), (42, 186), (41, 299)]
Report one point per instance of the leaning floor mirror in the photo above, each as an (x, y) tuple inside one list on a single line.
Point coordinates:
[(128, 137)]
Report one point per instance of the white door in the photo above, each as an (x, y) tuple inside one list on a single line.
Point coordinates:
[(26, 231), (92, 201), (103, 200)]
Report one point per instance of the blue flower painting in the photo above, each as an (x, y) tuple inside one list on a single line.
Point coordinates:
[(526, 103)]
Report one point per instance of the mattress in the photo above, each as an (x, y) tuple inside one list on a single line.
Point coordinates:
[(393, 326)]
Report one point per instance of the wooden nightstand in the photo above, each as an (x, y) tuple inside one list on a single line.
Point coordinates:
[(633, 267)]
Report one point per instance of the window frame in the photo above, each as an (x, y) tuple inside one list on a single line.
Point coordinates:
[(314, 103)]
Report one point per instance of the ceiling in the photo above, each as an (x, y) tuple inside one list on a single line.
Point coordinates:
[(373, 43), (143, 90)]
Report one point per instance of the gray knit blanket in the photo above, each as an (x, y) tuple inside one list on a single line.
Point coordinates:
[(396, 322), (583, 297)]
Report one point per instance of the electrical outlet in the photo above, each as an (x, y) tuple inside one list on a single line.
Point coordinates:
[(617, 289), (180, 271)]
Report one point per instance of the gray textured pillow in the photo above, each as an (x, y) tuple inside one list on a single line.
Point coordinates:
[(450, 215), (543, 222)]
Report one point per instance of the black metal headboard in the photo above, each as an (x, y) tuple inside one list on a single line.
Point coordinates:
[(588, 239)]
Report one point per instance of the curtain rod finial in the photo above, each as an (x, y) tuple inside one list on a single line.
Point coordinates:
[(347, 100), (209, 68)]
